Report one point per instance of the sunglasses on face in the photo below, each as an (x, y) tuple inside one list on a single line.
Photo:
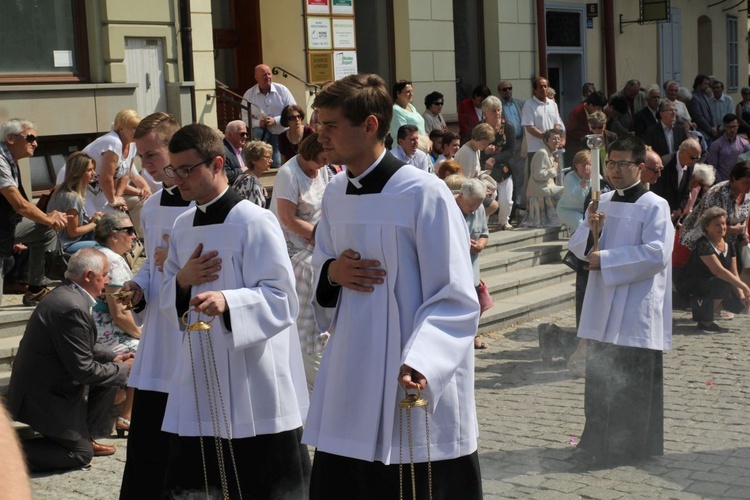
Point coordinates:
[(505, 89), (129, 229), (30, 138), (295, 117), (243, 134), (439, 103)]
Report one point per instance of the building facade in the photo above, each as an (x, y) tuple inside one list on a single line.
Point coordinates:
[(72, 64)]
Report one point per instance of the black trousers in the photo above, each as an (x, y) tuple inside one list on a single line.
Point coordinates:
[(334, 476), (50, 453), (624, 402), (148, 448), (270, 466)]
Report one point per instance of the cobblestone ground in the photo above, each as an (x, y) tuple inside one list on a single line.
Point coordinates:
[(529, 414)]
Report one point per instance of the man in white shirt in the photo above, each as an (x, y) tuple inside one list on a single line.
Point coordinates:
[(671, 90), (407, 150), (539, 114), (265, 102)]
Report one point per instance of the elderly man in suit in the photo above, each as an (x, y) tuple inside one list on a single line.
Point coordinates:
[(235, 137), (63, 383), (666, 136), (674, 183), (649, 115)]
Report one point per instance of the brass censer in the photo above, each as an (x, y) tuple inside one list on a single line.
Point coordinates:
[(214, 398), (406, 405)]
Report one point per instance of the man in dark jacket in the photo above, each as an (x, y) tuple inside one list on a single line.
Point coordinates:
[(235, 136), (62, 383)]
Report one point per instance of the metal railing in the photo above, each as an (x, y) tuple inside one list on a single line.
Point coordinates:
[(313, 88)]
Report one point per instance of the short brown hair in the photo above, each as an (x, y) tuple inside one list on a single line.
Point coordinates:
[(310, 148), (164, 124), (202, 138), (359, 96)]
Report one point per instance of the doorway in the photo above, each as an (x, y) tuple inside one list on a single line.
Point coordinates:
[(144, 65), (237, 50)]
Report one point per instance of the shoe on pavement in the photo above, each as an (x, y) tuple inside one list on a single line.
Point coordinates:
[(31, 299), (713, 327), (507, 227), (102, 450)]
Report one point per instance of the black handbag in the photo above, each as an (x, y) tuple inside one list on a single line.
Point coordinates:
[(56, 263)]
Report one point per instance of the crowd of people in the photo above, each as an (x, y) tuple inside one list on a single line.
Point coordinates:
[(315, 266)]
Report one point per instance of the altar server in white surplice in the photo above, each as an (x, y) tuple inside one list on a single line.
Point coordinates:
[(148, 445), (626, 316), (227, 260), (394, 283)]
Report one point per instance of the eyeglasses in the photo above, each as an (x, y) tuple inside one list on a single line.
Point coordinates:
[(295, 117), (439, 103), (243, 134), (505, 89), (129, 229), (597, 128), (619, 165), (694, 158), (182, 172), (656, 170), (30, 138)]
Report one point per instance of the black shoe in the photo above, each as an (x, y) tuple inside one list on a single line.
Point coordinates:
[(713, 327), (582, 461)]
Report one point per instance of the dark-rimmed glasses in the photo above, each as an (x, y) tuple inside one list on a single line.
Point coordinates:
[(619, 165), (181, 172), (505, 89)]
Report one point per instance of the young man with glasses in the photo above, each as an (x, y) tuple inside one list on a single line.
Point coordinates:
[(227, 264), (20, 220), (626, 316), (235, 136)]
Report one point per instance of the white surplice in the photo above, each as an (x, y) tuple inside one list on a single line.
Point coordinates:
[(629, 301), (259, 361), (425, 315), (161, 339)]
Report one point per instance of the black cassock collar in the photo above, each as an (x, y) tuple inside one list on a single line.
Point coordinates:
[(631, 194), (375, 181), (216, 213)]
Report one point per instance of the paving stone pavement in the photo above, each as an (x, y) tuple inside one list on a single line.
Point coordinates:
[(530, 414)]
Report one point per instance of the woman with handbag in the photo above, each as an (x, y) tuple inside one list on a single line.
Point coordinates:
[(712, 272), (70, 198)]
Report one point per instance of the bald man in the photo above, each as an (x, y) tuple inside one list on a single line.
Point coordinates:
[(265, 101)]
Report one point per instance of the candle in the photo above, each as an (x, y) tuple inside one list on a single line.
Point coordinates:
[(595, 172)]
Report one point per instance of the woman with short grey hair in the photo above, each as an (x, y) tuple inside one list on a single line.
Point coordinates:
[(496, 160)]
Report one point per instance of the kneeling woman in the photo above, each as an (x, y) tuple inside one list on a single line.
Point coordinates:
[(712, 270)]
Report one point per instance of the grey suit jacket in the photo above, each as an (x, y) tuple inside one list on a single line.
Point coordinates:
[(57, 359)]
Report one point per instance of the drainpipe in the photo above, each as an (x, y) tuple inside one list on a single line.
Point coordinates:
[(186, 32), (608, 15), (541, 37)]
